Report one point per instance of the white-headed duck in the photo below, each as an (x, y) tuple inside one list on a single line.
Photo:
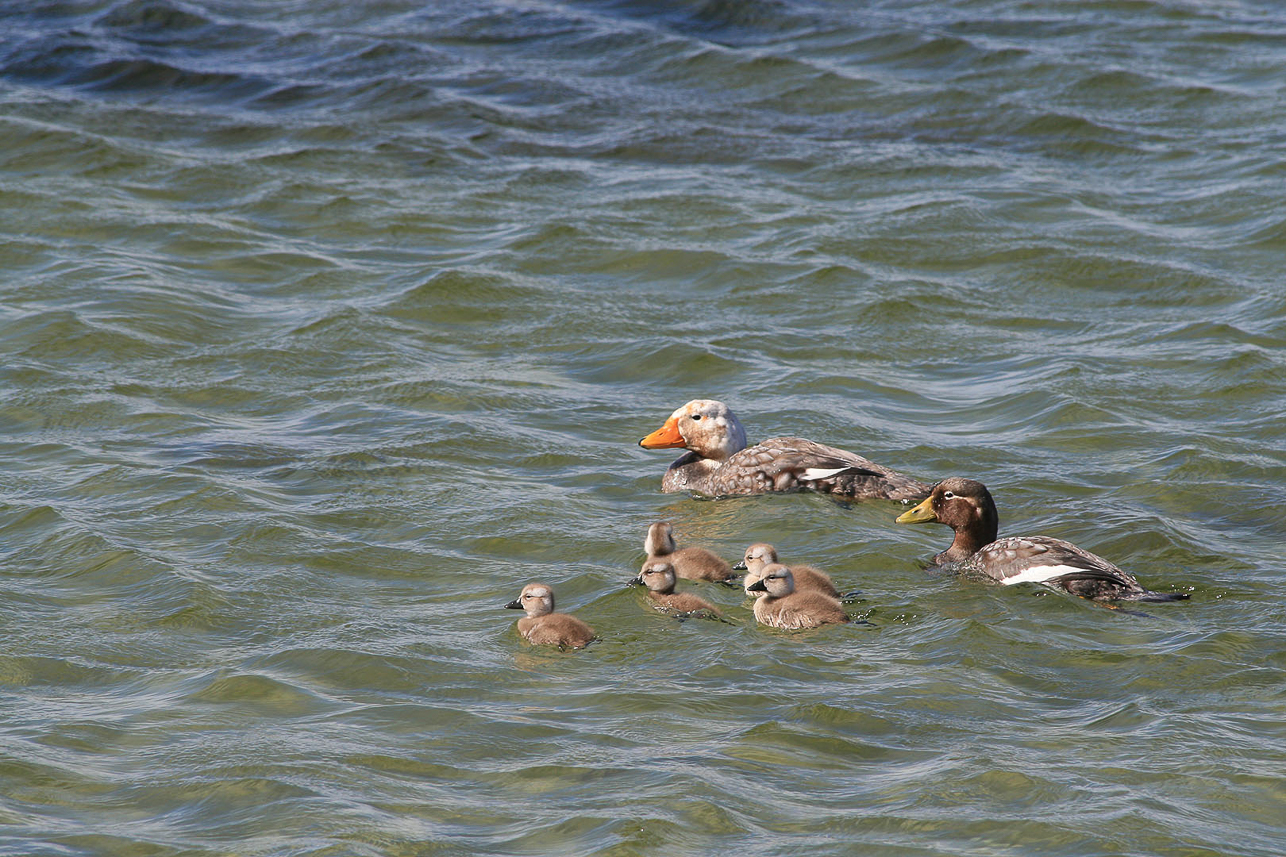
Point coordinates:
[(719, 464)]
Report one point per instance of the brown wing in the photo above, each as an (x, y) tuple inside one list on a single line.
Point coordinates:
[(1053, 562), (796, 464)]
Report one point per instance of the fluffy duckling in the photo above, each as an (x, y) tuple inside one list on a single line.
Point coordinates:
[(965, 506), (659, 578), (807, 578), (543, 626), (689, 563), (784, 607), (719, 464)]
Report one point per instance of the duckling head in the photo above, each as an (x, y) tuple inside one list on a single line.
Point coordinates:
[(537, 599), (708, 428), (657, 576), (776, 580), (757, 556)]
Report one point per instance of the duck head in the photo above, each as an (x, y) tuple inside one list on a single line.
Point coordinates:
[(964, 505), (704, 426)]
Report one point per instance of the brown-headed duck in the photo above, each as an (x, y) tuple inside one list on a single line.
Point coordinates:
[(965, 505)]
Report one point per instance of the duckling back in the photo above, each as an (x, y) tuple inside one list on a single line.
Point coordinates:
[(689, 563), (782, 606), (659, 577), (807, 577), (799, 610), (542, 625), (556, 629)]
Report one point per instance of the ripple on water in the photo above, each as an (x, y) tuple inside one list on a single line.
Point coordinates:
[(331, 325)]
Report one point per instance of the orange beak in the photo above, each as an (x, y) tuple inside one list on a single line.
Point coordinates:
[(666, 437)]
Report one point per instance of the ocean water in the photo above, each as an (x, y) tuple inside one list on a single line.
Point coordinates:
[(327, 326)]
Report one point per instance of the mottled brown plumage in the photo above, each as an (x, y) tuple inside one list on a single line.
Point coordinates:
[(966, 506)]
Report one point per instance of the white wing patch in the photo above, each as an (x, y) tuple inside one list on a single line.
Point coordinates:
[(1041, 573), (811, 473)]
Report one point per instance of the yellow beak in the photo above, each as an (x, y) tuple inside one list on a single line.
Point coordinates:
[(919, 515)]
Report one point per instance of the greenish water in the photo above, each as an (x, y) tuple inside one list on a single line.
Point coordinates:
[(328, 326)]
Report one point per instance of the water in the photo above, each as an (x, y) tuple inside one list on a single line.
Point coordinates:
[(327, 326)]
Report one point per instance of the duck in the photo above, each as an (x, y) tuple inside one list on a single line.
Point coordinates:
[(543, 626), (660, 578), (689, 563), (718, 463), (967, 507), (782, 606), (761, 554)]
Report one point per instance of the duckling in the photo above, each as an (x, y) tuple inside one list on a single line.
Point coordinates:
[(783, 607), (807, 578), (659, 578), (719, 464), (966, 506), (543, 626), (689, 563)]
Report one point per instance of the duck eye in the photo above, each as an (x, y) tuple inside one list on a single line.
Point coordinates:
[(696, 416), (947, 495)]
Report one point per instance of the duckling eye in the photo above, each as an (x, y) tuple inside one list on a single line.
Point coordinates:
[(696, 416)]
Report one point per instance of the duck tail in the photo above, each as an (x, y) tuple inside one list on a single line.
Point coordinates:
[(1161, 597)]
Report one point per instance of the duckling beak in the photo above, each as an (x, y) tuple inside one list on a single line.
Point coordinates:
[(634, 581), (666, 437), (919, 515), (741, 566), (516, 604), (757, 586)]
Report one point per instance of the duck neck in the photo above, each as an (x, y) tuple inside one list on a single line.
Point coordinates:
[(968, 541), (691, 472)]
